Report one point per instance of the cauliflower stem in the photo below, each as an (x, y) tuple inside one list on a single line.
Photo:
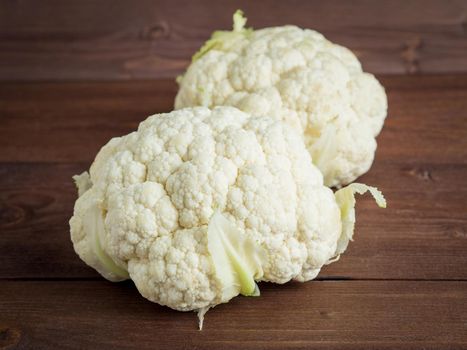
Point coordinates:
[(223, 39), (94, 224), (237, 259), (345, 198)]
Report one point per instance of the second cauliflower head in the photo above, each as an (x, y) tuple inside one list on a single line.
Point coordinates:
[(198, 204), (297, 76)]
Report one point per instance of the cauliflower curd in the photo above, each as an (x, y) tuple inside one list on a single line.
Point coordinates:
[(297, 76), (198, 204)]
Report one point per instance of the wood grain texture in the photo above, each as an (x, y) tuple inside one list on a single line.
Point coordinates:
[(123, 39), (51, 131), (318, 315), (401, 284), (426, 123), (421, 235)]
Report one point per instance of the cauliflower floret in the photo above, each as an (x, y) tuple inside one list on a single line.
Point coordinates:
[(297, 76), (198, 204)]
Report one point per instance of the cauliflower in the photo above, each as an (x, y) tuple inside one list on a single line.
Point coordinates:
[(198, 204), (297, 76)]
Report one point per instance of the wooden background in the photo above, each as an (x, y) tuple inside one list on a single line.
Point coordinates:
[(75, 73), (142, 39)]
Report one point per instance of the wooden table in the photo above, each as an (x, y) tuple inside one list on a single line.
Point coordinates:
[(401, 284)]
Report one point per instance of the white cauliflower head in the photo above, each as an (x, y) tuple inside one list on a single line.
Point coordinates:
[(198, 204), (297, 76)]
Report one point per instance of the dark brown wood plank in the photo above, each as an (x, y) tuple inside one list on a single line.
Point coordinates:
[(123, 39), (50, 122), (36, 202), (421, 166), (318, 315), (421, 235), (71, 121)]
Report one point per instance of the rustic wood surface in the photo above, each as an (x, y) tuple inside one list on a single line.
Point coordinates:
[(74, 74), (403, 282), (318, 315), (125, 39)]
